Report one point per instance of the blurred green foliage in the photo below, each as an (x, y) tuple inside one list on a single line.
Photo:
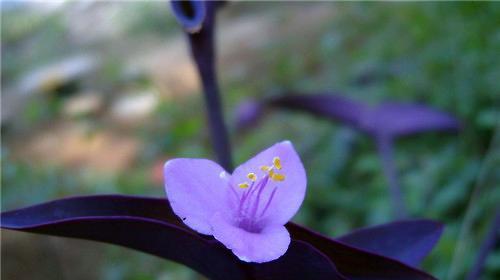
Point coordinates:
[(46, 41), (443, 54)]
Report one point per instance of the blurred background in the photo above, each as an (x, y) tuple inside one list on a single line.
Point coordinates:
[(97, 95)]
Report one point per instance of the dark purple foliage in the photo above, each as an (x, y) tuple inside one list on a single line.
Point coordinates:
[(201, 14), (387, 119), (333, 107), (248, 114), (354, 262), (302, 261), (410, 241), (148, 225), (384, 123), (400, 119)]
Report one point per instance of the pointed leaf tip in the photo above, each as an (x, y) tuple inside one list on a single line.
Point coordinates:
[(407, 241)]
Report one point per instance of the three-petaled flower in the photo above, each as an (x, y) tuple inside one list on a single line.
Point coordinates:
[(245, 211)]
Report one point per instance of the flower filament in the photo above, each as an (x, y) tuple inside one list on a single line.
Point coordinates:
[(250, 199)]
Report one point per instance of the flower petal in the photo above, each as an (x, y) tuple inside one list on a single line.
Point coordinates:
[(197, 189), (267, 245), (289, 193)]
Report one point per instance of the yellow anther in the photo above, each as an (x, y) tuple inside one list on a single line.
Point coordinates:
[(252, 176), (265, 168), (278, 177), (243, 185), (277, 163)]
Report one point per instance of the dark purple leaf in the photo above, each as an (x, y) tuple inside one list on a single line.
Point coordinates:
[(387, 119), (334, 107), (399, 119), (301, 261), (407, 241), (356, 263), (148, 225), (91, 206), (248, 114), (144, 224)]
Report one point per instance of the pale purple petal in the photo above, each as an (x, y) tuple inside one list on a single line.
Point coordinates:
[(197, 189), (267, 245), (289, 193)]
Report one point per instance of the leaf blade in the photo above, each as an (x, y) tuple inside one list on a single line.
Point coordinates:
[(356, 263), (149, 225), (408, 241)]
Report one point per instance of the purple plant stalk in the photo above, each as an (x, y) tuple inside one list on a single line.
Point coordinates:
[(385, 147), (491, 239), (198, 20)]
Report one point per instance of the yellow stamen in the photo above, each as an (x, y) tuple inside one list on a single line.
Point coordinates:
[(252, 176), (277, 163), (243, 185), (265, 168), (277, 177)]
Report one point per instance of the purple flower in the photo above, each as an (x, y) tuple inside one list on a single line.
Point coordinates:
[(245, 211)]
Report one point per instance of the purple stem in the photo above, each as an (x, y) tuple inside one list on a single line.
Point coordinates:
[(203, 53), (488, 245), (386, 150)]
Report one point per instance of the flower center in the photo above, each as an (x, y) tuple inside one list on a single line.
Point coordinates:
[(249, 209)]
